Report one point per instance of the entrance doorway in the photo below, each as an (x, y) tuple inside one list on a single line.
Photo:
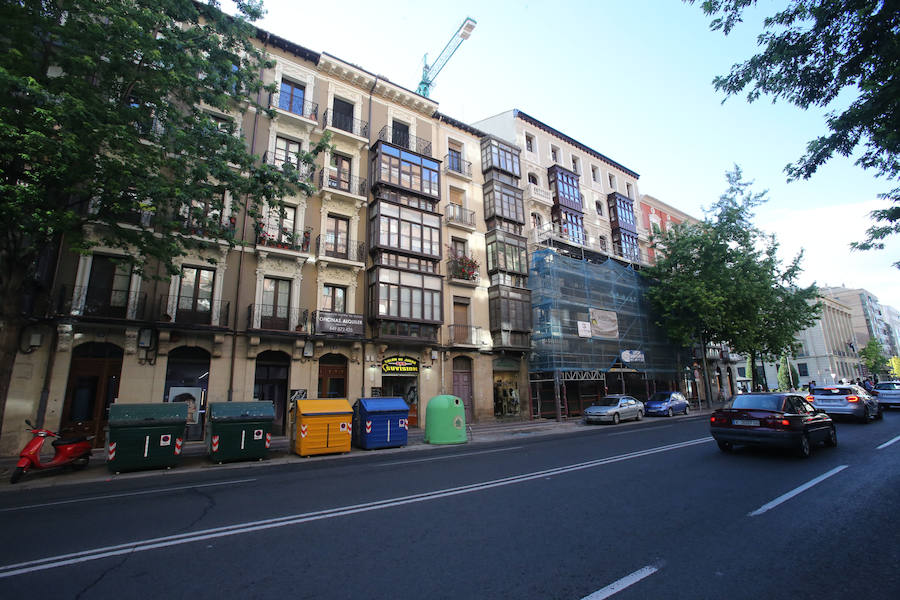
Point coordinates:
[(462, 384), (187, 380), (406, 387), (271, 385), (332, 376), (93, 385)]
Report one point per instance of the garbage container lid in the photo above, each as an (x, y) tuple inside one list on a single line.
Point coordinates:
[(242, 411), (323, 406), (147, 414), (377, 405)]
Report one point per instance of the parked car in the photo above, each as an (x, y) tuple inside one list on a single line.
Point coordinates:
[(771, 419), (888, 393), (846, 400), (614, 408), (667, 403)]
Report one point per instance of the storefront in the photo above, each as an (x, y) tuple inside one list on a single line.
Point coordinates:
[(507, 396), (187, 380), (400, 379)]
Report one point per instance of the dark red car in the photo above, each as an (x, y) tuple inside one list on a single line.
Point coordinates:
[(771, 419)]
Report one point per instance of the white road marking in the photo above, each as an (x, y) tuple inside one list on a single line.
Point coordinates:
[(617, 586), (125, 494), (418, 460), (795, 491), (253, 526), (888, 443)]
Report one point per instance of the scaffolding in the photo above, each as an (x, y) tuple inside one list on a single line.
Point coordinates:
[(634, 357)]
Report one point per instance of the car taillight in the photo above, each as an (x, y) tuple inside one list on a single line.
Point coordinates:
[(713, 419), (852, 398), (783, 422)]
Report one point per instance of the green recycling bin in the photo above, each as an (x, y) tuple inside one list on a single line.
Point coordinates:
[(145, 436), (445, 421), (239, 430)]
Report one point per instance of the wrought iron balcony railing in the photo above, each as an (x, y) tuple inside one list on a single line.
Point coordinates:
[(308, 109), (405, 140), (462, 216), (463, 267), (466, 335), (454, 163), (306, 170), (286, 240), (189, 310), (331, 179), (346, 123), (338, 246), (273, 318), (92, 301)]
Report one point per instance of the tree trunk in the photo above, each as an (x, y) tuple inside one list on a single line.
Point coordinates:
[(751, 360), (10, 329), (707, 387)]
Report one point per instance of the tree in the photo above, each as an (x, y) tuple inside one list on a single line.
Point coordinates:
[(814, 51), (873, 356), (720, 281), (788, 378), (120, 113)]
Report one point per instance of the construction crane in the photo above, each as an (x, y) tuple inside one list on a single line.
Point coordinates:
[(430, 72)]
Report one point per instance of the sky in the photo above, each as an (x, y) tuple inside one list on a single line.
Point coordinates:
[(633, 80)]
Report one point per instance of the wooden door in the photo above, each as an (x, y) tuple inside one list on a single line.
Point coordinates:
[(462, 385), (93, 385)]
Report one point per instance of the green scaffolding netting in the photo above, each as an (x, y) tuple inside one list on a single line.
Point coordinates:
[(564, 290)]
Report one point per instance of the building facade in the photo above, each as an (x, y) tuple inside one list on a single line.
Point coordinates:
[(868, 316)]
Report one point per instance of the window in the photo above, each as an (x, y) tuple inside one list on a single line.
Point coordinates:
[(572, 226), (409, 170), (506, 253), (291, 97), (629, 190), (287, 151), (599, 206), (536, 221), (406, 229), (342, 115), (278, 228), (612, 181), (510, 309), (204, 212), (504, 201), (408, 295), (107, 292), (339, 177), (595, 174), (576, 165), (802, 370), (195, 295), (742, 371), (334, 298), (458, 247), (276, 299), (497, 155), (454, 157), (400, 134), (533, 179), (336, 236), (529, 142), (565, 188), (554, 154)]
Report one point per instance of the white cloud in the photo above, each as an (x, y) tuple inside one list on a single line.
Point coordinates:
[(825, 234)]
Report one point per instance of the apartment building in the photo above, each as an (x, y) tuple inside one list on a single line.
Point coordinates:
[(868, 316), (382, 282)]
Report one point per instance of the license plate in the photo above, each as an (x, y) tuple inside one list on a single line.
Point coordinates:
[(748, 422)]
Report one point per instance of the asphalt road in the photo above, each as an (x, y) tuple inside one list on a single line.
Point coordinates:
[(650, 510)]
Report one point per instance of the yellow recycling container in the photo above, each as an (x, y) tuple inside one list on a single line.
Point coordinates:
[(323, 426)]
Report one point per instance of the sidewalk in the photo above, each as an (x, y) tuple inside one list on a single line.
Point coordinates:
[(194, 455)]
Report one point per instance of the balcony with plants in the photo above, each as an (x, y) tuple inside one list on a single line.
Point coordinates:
[(284, 239), (463, 269)]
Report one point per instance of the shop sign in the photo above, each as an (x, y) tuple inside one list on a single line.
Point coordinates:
[(505, 364), (632, 356), (400, 364), (340, 323)]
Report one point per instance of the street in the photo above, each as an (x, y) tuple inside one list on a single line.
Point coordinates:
[(646, 510)]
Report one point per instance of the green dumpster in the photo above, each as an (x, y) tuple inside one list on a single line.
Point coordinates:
[(239, 430), (145, 436), (445, 421)]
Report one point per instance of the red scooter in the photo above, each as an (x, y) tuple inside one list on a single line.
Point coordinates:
[(74, 451)]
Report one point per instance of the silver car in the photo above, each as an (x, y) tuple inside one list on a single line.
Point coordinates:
[(845, 400), (888, 393), (614, 408)]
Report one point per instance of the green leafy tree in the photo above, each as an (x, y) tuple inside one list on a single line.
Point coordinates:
[(788, 377), (873, 356), (720, 281), (812, 52), (119, 113)]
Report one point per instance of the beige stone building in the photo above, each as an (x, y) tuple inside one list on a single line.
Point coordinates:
[(380, 283)]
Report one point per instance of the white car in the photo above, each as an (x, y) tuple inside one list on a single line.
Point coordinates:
[(614, 408), (888, 393)]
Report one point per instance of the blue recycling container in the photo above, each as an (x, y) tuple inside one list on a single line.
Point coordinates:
[(380, 423)]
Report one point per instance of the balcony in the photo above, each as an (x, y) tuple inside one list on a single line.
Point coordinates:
[(463, 270), (269, 317), (455, 165), (334, 246), (305, 170), (296, 242), (192, 311), (325, 322), (104, 303), (459, 216), (307, 113), (338, 181), (465, 335), (410, 142), (343, 123), (535, 193), (513, 340)]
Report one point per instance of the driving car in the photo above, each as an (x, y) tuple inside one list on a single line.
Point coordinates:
[(888, 393), (614, 408), (846, 400), (667, 403), (783, 420)]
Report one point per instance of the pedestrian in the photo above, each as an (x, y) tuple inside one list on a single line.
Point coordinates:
[(812, 384), (867, 384)]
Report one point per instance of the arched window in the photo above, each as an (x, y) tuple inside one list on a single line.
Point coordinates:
[(532, 178), (536, 220)]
